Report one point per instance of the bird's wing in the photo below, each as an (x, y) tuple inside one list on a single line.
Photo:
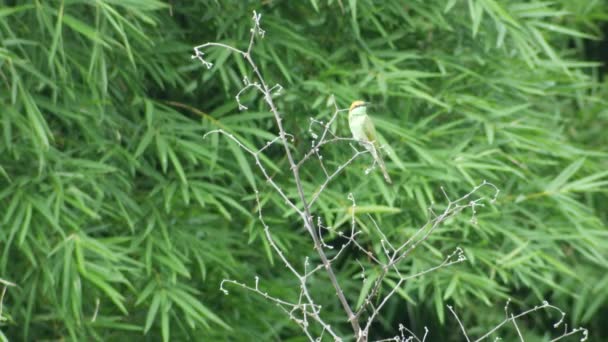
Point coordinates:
[(370, 133), (370, 130)]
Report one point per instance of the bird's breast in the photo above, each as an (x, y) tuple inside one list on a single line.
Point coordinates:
[(356, 124)]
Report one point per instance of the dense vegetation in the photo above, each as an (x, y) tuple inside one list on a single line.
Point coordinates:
[(118, 220)]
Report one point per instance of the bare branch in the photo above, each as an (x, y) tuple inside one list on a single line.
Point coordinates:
[(305, 310), (464, 332), (511, 318)]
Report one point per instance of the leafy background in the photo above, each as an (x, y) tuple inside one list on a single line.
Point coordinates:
[(118, 220)]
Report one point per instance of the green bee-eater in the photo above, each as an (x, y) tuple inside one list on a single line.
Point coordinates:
[(362, 128)]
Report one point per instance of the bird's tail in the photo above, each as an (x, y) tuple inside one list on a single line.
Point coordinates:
[(380, 161)]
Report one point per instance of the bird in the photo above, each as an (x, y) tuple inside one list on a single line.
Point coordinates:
[(363, 130)]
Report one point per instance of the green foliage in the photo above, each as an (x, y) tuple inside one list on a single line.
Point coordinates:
[(119, 220)]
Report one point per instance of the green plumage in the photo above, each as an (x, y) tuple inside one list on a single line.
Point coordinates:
[(362, 128)]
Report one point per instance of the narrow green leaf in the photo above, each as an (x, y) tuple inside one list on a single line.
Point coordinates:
[(84, 29), (150, 317), (563, 177)]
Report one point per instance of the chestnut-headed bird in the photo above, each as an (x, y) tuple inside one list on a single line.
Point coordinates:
[(362, 128)]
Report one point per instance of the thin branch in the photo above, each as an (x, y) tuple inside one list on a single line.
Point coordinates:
[(464, 332), (453, 208), (521, 338), (303, 207), (258, 163), (448, 261), (511, 318)]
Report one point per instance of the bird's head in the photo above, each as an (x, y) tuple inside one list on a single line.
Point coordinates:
[(358, 107)]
